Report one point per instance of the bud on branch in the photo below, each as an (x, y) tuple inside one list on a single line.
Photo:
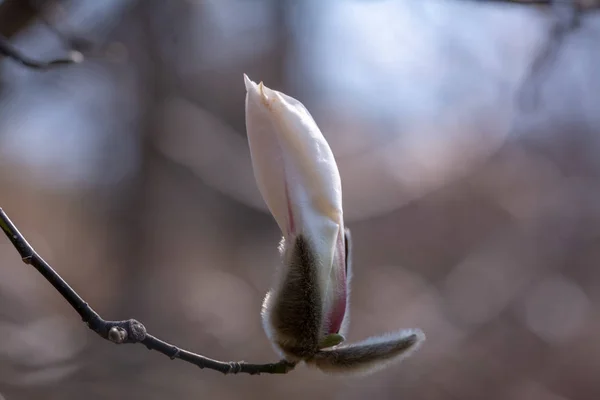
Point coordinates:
[(306, 314)]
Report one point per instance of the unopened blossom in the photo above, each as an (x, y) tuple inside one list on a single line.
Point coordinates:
[(306, 313)]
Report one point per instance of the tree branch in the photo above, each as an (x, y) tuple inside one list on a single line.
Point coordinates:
[(127, 331), (8, 50), (585, 5), (15, 15), (567, 15)]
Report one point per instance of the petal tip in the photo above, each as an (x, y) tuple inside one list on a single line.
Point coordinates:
[(253, 87), (248, 83)]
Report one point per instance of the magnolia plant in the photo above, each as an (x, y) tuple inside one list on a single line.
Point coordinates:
[(306, 313)]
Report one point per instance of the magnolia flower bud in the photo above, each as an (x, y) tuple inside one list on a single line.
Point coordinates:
[(306, 314)]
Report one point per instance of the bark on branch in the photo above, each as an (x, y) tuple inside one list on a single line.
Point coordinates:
[(131, 330)]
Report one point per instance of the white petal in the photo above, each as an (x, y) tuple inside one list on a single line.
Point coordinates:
[(267, 160), (293, 164), (298, 177)]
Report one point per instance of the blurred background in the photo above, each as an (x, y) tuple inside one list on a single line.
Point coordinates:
[(467, 137)]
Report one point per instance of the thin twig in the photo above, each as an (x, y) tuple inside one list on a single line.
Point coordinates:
[(566, 19), (584, 5), (15, 16), (127, 331), (8, 50)]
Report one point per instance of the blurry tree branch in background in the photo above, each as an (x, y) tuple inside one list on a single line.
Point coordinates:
[(127, 331), (16, 15), (8, 50), (566, 14), (581, 4)]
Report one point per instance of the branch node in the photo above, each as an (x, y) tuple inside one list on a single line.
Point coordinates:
[(175, 354), (117, 335), (236, 367), (137, 331)]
